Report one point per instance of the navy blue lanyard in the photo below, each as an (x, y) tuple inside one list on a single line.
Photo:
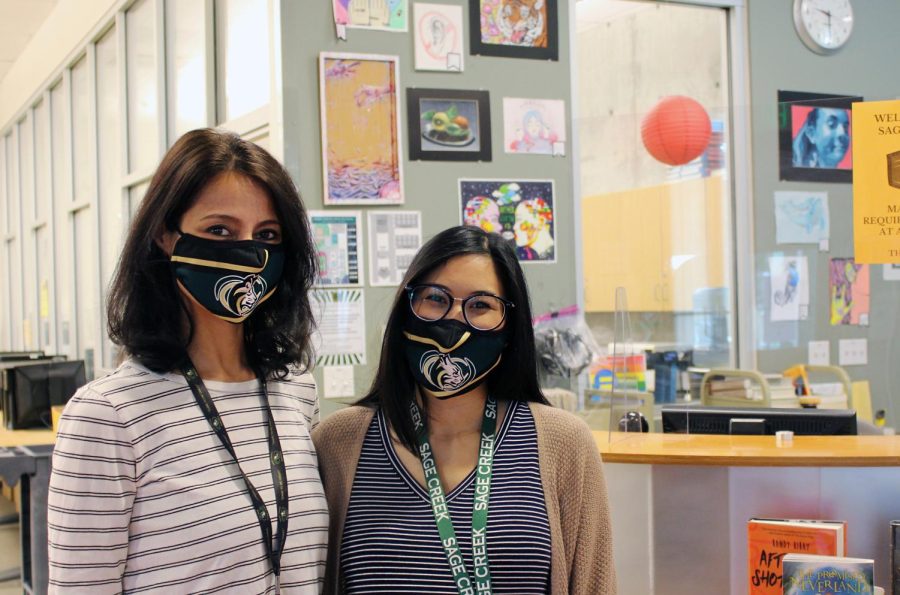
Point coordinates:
[(276, 464)]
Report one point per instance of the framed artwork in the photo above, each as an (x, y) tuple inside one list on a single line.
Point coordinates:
[(360, 114), (449, 124), (536, 126), (438, 37), (815, 137), (514, 28), (522, 211), (382, 15), (338, 238)]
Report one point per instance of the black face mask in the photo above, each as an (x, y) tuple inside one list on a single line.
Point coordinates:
[(449, 358), (228, 278)]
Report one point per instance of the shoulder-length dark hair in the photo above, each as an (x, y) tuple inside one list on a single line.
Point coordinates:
[(515, 379), (145, 311)]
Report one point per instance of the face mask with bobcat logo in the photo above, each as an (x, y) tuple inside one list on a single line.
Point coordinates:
[(228, 278), (449, 358)]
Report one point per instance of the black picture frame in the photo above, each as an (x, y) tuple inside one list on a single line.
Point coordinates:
[(547, 51), (799, 124), (428, 144)]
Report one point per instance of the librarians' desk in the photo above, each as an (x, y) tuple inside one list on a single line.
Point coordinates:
[(680, 503), (25, 460)]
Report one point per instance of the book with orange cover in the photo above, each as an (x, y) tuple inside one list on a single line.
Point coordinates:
[(769, 540)]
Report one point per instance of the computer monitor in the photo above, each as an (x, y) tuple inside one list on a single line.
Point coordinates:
[(757, 420), (15, 356), (31, 389)]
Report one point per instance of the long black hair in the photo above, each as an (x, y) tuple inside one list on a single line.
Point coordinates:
[(515, 378), (145, 309)]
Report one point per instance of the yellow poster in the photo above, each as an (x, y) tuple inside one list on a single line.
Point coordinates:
[(876, 182)]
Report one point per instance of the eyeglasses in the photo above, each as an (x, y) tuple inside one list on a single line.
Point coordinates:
[(481, 311)]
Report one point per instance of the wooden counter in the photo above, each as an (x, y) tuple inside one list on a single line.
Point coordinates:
[(10, 438), (748, 451)]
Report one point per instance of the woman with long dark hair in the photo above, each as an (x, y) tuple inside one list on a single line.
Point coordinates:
[(190, 468), (453, 475)]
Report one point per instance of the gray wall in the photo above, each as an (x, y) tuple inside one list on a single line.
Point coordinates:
[(430, 186), (866, 66)]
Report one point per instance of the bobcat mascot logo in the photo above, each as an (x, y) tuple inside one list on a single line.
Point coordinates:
[(239, 295), (446, 372)]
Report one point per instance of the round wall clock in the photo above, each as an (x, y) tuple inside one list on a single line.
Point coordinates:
[(823, 25)]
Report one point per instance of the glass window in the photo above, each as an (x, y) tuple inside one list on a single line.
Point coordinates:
[(62, 187), (110, 168), (26, 170), (42, 174), (662, 231), (140, 42), (13, 211), (242, 57), (185, 66), (4, 188), (135, 196), (86, 299), (43, 273), (81, 131)]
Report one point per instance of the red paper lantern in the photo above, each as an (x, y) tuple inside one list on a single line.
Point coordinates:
[(677, 130)]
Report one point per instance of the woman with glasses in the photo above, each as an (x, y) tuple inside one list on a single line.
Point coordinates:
[(453, 475)]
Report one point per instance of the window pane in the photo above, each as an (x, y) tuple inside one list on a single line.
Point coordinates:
[(663, 232), (60, 151), (4, 188), (86, 298), (242, 52), (185, 66), (109, 165), (13, 210), (26, 171), (42, 184), (81, 140), (135, 196), (143, 137), (43, 271)]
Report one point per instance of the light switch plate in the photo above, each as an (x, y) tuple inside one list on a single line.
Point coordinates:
[(853, 352), (819, 353), (337, 381)]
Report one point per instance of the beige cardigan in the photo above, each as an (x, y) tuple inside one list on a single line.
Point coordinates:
[(571, 475)]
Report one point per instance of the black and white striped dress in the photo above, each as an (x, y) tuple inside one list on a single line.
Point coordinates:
[(391, 543), (144, 498)]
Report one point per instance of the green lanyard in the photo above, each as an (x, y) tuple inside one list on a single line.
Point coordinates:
[(485, 467)]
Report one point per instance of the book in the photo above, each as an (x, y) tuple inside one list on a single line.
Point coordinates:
[(805, 574), (895, 557), (769, 540)]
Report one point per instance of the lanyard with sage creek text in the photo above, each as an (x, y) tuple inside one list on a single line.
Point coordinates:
[(464, 583), (276, 464)]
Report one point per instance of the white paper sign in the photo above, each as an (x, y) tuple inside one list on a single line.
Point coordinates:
[(341, 334), (789, 294)]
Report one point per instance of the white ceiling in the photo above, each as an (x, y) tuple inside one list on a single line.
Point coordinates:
[(19, 21)]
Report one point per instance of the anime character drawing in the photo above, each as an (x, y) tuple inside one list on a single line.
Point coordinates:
[(535, 135)]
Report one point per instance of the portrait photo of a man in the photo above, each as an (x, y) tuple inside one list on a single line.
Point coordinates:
[(821, 137), (815, 135)]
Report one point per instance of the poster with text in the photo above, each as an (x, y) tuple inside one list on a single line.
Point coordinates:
[(789, 293), (340, 338), (849, 288), (338, 238), (801, 217), (876, 182), (521, 211), (394, 239)]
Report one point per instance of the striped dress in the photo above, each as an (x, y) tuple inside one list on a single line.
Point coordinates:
[(391, 542), (145, 499)]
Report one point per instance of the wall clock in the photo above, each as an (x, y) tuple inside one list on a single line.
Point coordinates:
[(823, 25)]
